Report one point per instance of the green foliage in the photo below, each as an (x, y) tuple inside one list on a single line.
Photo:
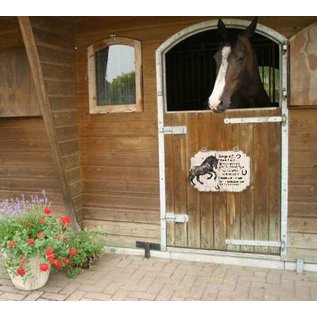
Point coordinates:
[(90, 244), (36, 233), (121, 91)]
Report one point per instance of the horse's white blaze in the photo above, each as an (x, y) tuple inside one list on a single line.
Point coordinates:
[(214, 99)]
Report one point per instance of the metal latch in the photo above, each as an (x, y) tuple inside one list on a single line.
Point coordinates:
[(254, 120), (256, 243), (181, 218), (173, 130)]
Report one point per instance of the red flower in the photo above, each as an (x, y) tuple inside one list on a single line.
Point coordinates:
[(22, 261), (51, 259), (72, 251), (11, 244), (67, 261), (44, 267), (42, 220), (30, 241), (47, 211), (40, 235), (20, 271), (65, 220), (58, 264), (49, 251), (58, 237)]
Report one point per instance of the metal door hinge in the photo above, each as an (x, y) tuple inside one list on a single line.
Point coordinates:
[(284, 94), (284, 49), (181, 218), (173, 130)]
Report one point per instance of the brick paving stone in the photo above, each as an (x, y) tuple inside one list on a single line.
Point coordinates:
[(155, 288), (34, 295), (52, 289), (165, 294), (76, 295), (11, 296), (53, 296), (112, 288), (90, 288), (69, 289), (122, 277), (120, 295), (313, 293), (97, 296), (302, 292), (5, 281), (8, 288)]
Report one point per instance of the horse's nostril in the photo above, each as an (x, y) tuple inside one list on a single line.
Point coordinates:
[(220, 108)]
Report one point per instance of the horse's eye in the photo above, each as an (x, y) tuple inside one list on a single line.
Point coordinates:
[(240, 58)]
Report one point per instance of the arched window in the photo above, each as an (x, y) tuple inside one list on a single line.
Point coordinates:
[(114, 75), (191, 69)]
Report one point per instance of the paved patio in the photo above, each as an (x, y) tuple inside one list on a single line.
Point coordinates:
[(123, 277)]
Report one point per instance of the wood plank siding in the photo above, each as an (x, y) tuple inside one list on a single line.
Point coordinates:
[(120, 151), (302, 211), (26, 163), (111, 160)]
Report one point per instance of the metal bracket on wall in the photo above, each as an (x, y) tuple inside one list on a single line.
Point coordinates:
[(180, 218), (173, 130), (147, 246)]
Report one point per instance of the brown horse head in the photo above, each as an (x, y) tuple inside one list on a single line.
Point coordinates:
[(238, 83)]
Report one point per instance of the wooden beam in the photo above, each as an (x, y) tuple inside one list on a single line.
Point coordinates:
[(43, 99)]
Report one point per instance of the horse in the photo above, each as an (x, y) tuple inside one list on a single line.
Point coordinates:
[(238, 83), (206, 167)]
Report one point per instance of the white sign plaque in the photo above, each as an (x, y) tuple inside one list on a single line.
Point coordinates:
[(220, 171)]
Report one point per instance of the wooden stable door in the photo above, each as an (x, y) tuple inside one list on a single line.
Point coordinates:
[(214, 217)]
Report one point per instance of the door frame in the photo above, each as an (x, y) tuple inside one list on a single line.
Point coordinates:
[(161, 108)]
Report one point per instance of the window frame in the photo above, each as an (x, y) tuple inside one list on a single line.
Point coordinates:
[(94, 108)]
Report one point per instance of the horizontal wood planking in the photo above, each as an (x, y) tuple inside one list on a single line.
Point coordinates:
[(10, 33), (26, 164), (126, 229), (148, 202), (308, 255), (302, 211), (302, 240), (302, 225), (123, 187), (122, 215)]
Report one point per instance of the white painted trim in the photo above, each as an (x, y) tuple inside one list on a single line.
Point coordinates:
[(284, 147), (219, 257)]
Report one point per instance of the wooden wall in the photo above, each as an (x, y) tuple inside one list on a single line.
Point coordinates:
[(111, 160), (26, 164), (302, 221), (120, 151)]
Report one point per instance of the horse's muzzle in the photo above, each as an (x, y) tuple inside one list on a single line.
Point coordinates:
[(220, 108)]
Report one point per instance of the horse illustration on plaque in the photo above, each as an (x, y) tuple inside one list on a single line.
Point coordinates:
[(220, 171)]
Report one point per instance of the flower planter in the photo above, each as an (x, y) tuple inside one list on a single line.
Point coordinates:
[(35, 278)]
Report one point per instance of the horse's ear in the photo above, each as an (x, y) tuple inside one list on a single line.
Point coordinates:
[(250, 30), (222, 29)]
